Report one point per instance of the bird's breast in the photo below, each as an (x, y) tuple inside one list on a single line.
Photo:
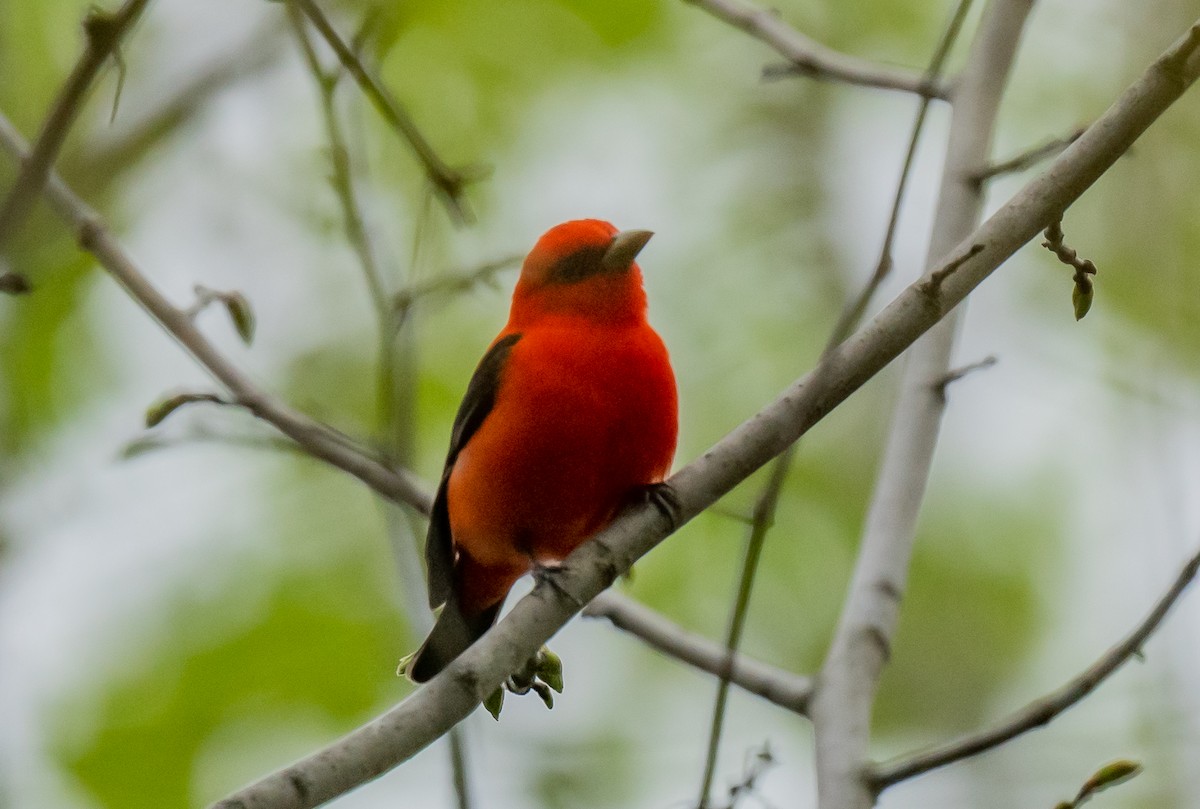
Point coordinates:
[(582, 417)]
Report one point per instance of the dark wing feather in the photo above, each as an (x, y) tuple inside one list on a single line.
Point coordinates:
[(476, 404)]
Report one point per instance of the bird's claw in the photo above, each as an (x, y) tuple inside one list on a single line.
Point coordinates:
[(541, 674)]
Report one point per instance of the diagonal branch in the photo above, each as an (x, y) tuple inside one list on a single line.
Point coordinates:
[(809, 57), (1041, 711), (449, 182), (842, 706), (104, 33), (317, 438), (787, 690), (449, 697)]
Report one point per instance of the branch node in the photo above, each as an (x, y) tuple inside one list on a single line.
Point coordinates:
[(932, 286)]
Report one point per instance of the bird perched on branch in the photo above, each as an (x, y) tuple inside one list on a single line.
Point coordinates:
[(570, 416)]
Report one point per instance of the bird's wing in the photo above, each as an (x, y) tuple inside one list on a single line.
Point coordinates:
[(476, 404)]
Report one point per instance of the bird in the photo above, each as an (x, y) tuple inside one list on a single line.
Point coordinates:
[(570, 416)]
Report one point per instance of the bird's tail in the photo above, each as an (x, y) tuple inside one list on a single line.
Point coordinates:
[(451, 636)]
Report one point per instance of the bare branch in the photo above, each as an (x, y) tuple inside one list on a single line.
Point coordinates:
[(787, 690), (1028, 158), (842, 705), (445, 700), (1041, 711), (956, 374), (449, 182), (809, 57), (760, 523), (319, 439), (450, 283), (342, 181), (104, 32)]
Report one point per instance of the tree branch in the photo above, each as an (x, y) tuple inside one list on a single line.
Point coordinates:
[(104, 32), (843, 703), (317, 438), (449, 182), (809, 57), (449, 697), (1041, 711), (783, 688)]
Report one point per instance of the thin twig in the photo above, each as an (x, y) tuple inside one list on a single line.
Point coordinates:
[(1081, 296), (778, 686), (810, 58), (401, 540), (341, 178), (1041, 711), (852, 313), (1028, 158), (104, 32), (450, 283), (254, 54), (319, 439), (449, 182), (952, 376), (763, 518)]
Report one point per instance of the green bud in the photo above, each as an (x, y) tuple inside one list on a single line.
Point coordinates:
[(549, 669), (241, 314), (1109, 775), (1081, 299)]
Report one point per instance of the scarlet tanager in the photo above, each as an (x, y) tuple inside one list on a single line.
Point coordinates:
[(570, 415)]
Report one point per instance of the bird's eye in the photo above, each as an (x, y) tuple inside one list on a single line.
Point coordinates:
[(578, 265)]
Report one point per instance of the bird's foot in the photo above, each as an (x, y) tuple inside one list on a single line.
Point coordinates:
[(542, 674)]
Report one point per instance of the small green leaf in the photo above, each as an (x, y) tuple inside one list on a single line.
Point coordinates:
[(495, 703), (1111, 774), (1081, 299), (402, 666), (242, 315), (549, 669), (157, 412)]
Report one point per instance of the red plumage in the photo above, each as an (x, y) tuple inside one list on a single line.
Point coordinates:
[(570, 413)]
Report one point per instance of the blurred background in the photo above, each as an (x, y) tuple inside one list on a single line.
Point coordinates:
[(183, 609)]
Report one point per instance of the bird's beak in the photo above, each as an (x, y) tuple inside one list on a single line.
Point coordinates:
[(624, 248)]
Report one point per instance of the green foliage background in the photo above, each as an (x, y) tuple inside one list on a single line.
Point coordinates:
[(277, 625)]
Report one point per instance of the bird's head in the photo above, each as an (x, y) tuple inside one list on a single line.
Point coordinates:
[(584, 267)]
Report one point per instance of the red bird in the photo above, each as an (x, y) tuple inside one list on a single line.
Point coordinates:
[(571, 414)]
